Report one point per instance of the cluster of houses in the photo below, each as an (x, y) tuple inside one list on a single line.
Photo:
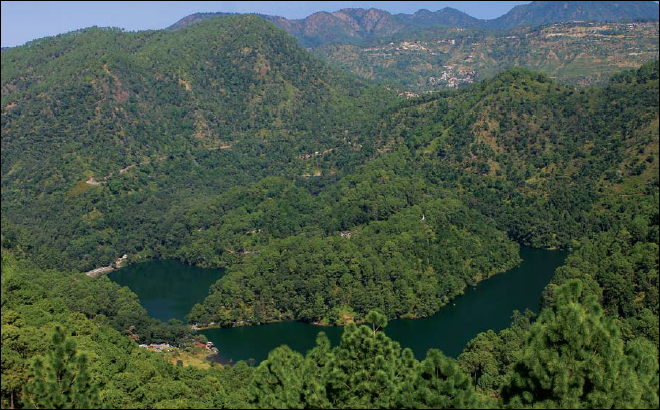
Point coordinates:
[(454, 77), (166, 347), (158, 347)]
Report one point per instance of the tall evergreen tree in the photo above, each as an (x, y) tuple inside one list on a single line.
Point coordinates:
[(367, 367), (364, 371), (438, 383), (278, 381), (62, 382), (289, 380), (575, 358)]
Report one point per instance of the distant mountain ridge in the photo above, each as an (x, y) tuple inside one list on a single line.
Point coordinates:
[(352, 25), (447, 17), (544, 12)]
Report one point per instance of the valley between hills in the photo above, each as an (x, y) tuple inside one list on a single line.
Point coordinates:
[(382, 175)]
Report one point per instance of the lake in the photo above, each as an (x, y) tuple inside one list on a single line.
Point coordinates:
[(168, 289)]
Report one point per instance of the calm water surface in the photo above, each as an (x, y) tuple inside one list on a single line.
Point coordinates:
[(168, 289)]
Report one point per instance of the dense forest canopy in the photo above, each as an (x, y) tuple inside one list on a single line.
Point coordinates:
[(330, 201), (44, 335), (541, 162), (111, 130)]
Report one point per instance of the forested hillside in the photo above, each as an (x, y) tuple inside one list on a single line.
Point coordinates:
[(534, 155), (103, 132), (581, 43), (57, 355), (541, 162), (457, 175), (618, 267)]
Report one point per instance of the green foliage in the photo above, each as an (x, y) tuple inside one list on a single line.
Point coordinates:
[(439, 383), (620, 266), (616, 266), (287, 380), (576, 359), (225, 143), (94, 364), (489, 358), (366, 370), (533, 155), (408, 265), (100, 300), (378, 321), (159, 120), (524, 174), (63, 381)]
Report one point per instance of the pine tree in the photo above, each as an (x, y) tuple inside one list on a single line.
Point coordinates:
[(62, 382), (642, 356), (278, 381), (575, 359), (364, 371), (367, 367), (287, 380), (438, 383)]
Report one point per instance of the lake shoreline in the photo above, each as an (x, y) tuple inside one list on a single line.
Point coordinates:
[(481, 278), (487, 306), (164, 289)]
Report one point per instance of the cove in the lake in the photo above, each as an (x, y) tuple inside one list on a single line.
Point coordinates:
[(166, 290)]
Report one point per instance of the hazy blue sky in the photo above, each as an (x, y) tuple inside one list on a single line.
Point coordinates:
[(27, 20)]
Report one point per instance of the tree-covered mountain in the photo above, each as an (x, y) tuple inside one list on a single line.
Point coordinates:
[(244, 145), (215, 85), (355, 25), (545, 12), (544, 162), (226, 142), (538, 148), (100, 128)]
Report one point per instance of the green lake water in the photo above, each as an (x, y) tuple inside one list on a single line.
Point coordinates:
[(168, 289)]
